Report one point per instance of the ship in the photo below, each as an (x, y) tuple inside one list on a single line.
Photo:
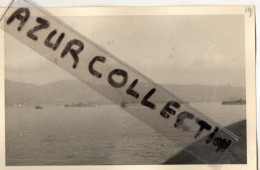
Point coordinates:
[(123, 104), (38, 107), (79, 105), (234, 102)]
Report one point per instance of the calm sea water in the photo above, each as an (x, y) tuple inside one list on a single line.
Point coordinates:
[(93, 135)]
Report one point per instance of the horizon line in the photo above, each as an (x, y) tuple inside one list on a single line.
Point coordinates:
[(140, 82)]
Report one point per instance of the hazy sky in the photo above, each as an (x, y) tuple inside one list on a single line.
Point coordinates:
[(205, 50)]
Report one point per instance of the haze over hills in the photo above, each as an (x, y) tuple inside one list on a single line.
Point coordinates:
[(73, 91)]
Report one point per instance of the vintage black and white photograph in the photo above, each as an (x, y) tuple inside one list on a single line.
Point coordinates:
[(54, 118)]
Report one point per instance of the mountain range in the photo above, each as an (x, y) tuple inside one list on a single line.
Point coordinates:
[(73, 91)]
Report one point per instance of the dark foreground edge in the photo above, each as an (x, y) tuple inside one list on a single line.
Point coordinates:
[(236, 155)]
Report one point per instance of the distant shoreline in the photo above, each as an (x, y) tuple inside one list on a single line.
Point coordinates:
[(103, 104)]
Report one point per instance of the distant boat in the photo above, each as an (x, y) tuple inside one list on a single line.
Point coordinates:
[(38, 107), (123, 104), (184, 102), (234, 102), (17, 105), (79, 105)]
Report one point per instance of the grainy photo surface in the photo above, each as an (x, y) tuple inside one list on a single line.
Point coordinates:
[(71, 100), (54, 119)]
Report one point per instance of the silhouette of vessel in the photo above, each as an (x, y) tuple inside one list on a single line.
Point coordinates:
[(234, 102), (79, 105), (38, 107)]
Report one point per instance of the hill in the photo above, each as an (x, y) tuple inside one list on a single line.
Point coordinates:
[(73, 91)]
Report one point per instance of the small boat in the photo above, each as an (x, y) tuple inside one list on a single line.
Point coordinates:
[(38, 107), (123, 104), (80, 105), (234, 102)]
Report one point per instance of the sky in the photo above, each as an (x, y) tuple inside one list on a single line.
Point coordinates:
[(207, 50)]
